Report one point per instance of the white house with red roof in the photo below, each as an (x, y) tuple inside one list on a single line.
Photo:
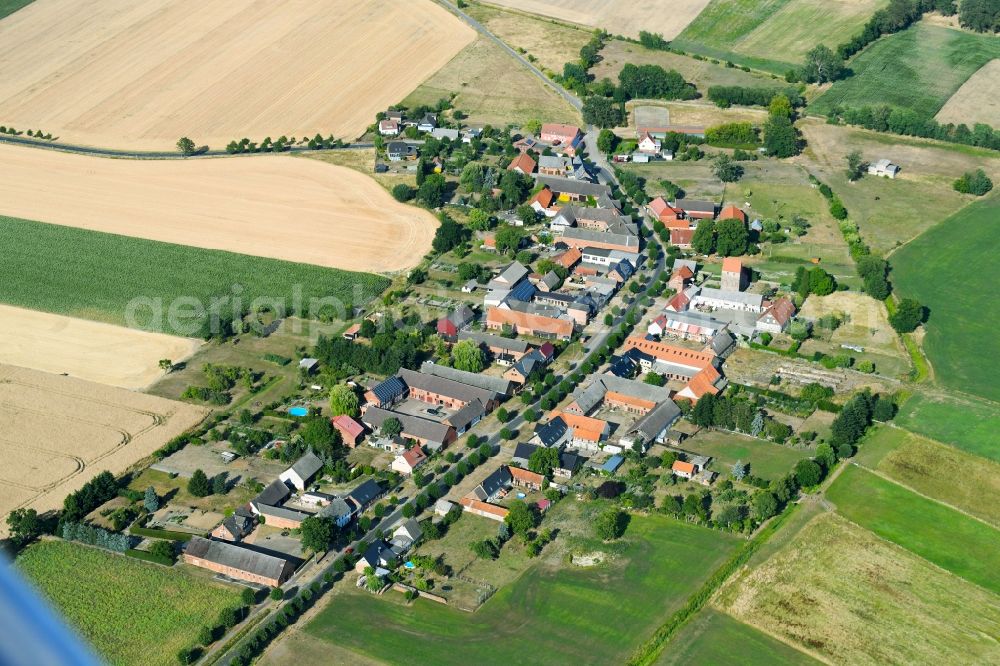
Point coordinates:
[(648, 144), (409, 461)]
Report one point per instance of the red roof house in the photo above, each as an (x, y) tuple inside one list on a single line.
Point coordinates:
[(733, 213), (663, 211), (349, 429), (681, 237), (524, 163)]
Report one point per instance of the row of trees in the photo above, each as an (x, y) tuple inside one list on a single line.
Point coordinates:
[(96, 536), (885, 118), (725, 96), (739, 414)]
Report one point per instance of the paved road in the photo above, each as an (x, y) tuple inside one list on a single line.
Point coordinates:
[(562, 92), (152, 155)]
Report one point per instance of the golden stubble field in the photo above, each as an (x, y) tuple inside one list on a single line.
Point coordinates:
[(623, 17), (142, 74), (89, 350), (274, 206), (57, 433), (976, 101)]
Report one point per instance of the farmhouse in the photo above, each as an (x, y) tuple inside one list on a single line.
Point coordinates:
[(279, 516), (651, 428), (595, 219), (522, 369), (273, 495), (649, 144), (350, 430), (466, 418), (523, 163), (674, 362), (303, 471), (484, 509), (522, 478), (563, 167), (584, 432), (698, 210), (449, 325), (566, 137), (681, 238), (543, 202), (495, 385), (776, 317), (883, 168), (365, 494), (409, 461), (237, 562), (686, 326), (388, 127), (728, 300), (629, 395), (449, 393), (585, 238), (236, 526), (680, 278), (387, 393), (398, 151), (537, 321), (429, 433), (660, 210), (568, 189), (504, 350)]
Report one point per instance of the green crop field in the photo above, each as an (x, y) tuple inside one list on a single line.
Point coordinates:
[(949, 539), (767, 460), (8, 7), (950, 269), (927, 467), (917, 69), (94, 275), (773, 35), (132, 612), (971, 425), (578, 615), (713, 638)]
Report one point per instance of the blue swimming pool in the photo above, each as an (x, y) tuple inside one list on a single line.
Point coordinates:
[(298, 411)]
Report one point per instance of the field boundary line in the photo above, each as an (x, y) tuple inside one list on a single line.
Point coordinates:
[(893, 544), (781, 639), (913, 490)]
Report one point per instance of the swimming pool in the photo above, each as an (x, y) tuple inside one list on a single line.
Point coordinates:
[(298, 411)]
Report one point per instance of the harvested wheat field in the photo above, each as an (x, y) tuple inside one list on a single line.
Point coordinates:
[(102, 353), (976, 101), (142, 74), (621, 17), (56, 433), (268, 206)]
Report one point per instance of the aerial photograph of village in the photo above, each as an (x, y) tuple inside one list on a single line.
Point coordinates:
[(499, 332)]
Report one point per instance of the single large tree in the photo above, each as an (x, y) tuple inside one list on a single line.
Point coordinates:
[(468, 356), (908, 315), (780, 138), (725, 169), (822, 65), (344, 400), (520, 518), (318, 533), (732, 237), (611, 524), (150, 500), (703, 240), (199, 485)]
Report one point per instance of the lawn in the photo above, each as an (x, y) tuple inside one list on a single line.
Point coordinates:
[(101, 276), (917, 69), (492, 88), (964, 303), (841, 593), (928, 467), (949, 539), (568, 614), (971, 425), (767, 460), (132, 612), (713, 638), (773, 35)]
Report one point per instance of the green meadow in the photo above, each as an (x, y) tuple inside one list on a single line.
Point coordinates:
[(713, 638), (951, 269), (554, 611), (937, 533), (94, 275), (917, 69), (970, 424)]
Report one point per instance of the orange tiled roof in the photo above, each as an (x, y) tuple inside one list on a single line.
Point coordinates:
[(681, 236), (584, 427), (732, 265), (485, 507), (669, 353), (525, 162), (544, 197), (534, 322), (569, 258), (681, 466), (526, 475), (732, 212)]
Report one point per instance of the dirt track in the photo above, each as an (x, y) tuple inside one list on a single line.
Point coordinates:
[(142, 74), (271, 206)]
